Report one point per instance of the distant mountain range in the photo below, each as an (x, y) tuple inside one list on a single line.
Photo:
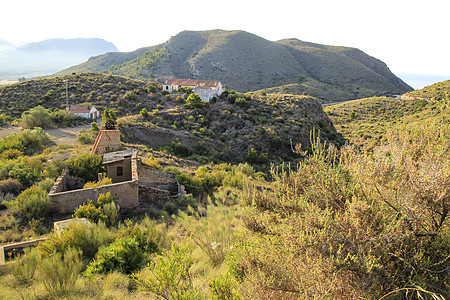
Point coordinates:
[(49, 56), (246, 62)]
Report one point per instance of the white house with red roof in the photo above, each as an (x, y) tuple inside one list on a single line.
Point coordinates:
[(84, 111), (206, 89)]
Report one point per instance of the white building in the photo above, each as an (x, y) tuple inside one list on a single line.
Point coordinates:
[(206, 89), (84, 111)]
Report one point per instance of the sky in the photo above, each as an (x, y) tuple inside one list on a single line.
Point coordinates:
[(410, 36)]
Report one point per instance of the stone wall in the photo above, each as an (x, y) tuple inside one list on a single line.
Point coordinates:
[(107, 140), (153, 196), (61, 182), (127, 196), (157, 179)]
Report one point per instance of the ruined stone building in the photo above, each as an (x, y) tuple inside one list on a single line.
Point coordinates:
[(134, 184)]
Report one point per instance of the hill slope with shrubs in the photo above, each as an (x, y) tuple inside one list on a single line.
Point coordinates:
[(228, 129), (366, 121), (246, 62)]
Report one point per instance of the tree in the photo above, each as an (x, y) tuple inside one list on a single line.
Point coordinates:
[(194, 101), (109, 117)]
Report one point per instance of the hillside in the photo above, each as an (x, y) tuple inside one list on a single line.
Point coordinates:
[(246, 62), (437, 91), (220, 131), (50, 56), (366, 121)]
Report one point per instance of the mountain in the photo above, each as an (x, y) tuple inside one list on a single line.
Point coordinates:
[(246, 62), (5, 45), (50, 56)]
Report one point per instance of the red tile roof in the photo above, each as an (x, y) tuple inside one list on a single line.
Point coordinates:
[(82, 109), (193, 82)]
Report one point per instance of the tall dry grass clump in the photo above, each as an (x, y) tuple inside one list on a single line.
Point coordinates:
[(349, 224)]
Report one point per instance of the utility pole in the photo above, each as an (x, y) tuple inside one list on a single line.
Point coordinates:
[(67, 93)]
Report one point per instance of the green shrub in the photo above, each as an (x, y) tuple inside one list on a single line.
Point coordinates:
[(151, 162), (111, 211), (26, 170), (87, 238), (32, 203), (124, 255), (168, 275), (24, 267), (10, 185), (177, 148), (4, 119), (36, 117), (194, 101), (28, 142), (241, 102), (85, 166), (11, 154), (90, 212), (46, 184), (172, 169), (144, 112), (224, 287), (94, 127), (59, 273), (105, 198), (92, 184), (85, 138)]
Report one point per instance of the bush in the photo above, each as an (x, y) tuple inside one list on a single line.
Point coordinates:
[(32, 203), (11, 154), (59, 273), (177, 148), (168, 275), (36, 117), (94, 127), (348, 224), (87, 238), (85, 166), (194, 101), (144, 112), (92, 184), (241, 102), (224, 287), (46, 184), (10, 185), (151, 162), (85, 138), (90, 212), (28, 142), (26, 170), (124, 255)]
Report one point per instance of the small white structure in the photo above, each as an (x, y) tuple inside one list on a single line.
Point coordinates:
[(206, 89), (84, 111)]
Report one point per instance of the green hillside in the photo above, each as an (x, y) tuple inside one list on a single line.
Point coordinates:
[(437, 91), (366, 121), (88, 88), (265, 125), (246, 62)]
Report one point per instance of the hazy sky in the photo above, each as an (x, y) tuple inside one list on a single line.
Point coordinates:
[(410, 36)]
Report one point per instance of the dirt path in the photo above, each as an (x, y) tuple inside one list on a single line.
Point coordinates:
[(59, 135)]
